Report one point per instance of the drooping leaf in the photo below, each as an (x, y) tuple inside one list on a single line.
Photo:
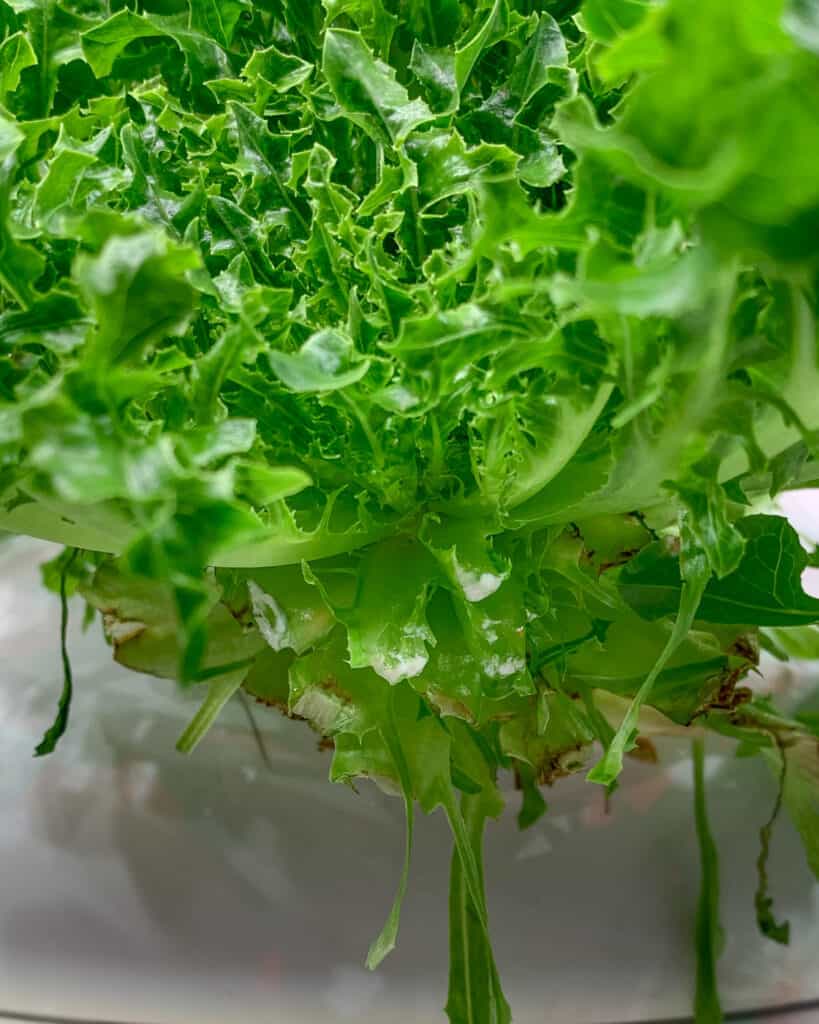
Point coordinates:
[(53, 734), (220, 690), (707, 1009), (384, 943), (800, 791), (777, 931), (696, 571), (474, 987), (764, 590)]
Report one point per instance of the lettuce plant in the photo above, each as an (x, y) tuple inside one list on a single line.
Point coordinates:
[(425, 370)]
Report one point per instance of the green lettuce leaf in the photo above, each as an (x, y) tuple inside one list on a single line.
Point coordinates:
[(764, 590)]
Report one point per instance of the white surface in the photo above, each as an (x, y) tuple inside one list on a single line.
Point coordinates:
[(139, 885)]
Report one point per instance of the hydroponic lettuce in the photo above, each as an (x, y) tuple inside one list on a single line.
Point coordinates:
[(425, 368)]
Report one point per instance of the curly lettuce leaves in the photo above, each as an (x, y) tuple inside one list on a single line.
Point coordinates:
[(424, 371)]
